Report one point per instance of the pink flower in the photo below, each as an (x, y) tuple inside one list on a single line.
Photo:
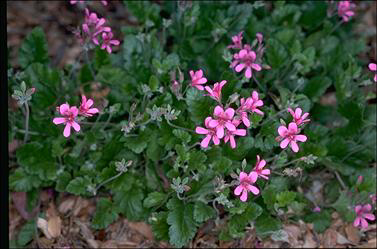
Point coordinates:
[(255, 102), (359, 179), (85, 109), (237, 41), (197, 79), (259, 37), (210, 132), (104, 2), (247, 59), (345, 10), (94, 26), (362, 213), (215, 93), (317, 209), (259, 168), (297, 118), (230, 134), (290, 136), (69, 119), (245, 185), (107, 42), (373, 68), (224, 119)]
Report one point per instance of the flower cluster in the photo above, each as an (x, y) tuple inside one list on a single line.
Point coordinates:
[(93, 30), (246, 58), (247, 181), (345, 10), (225, 122), (291, 135), (70, 115)]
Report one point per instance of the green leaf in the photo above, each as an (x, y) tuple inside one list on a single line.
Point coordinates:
[(153, 83), (62, 181), (160, 226), (78, 186), (354, 113), (105, 214), (20, 181), (316, 87), (238, 221), (172, 60), (112, 75), (154, 151), (321, 220), (197, 159), (26, 233), (154, 199), (285, 198), (265, 225), (36, 159), (198, 106), (136, 144), (130, 203), (277, 54), (343, 205), (203, 212), (184, 136), (182, 224), (33, 48), (223, 164)]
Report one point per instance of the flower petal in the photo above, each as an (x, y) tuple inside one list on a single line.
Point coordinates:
[(230, 126), (205, 141), (372, 67), (248, 73), (239, 67), (240, 132), (229, 113), (301, 138), (292, 127), (220, 131), (232, 142), (76, 126), (262, 164), (282, 130), (63, 109), (243, 176), (215, 140), (284, 143), (58, 120), (218, 111), (201, 130), (356, 222), (67, 130), (256, 67), (253, 189), (294, 146), (364, 223), (369, 216), (213, 123), (298, 112), (243, 197), (238, 190), (253, 176)]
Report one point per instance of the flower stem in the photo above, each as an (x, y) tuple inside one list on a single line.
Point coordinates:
[(89, 64), (108, 180), (26, 122), (178, 127), (340, 180), (107, 121)]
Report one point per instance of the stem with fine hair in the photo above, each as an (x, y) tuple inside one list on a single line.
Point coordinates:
[(89, 64), (108, 180), (26, 122), (178, 127)]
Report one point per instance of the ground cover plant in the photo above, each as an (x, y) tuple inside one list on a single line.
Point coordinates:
[(231, 112)]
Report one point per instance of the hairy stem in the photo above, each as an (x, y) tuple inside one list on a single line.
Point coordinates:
[(178, 127), (89, 64), (108, 180), (26, 122)]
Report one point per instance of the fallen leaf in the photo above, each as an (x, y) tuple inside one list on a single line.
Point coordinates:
[(352, 233), (329, 238), (309, 241), (141, 228), (109, 244), (67, 204), (294, 233), (54, 225), (43, 225), (20, 200), (340, 239)]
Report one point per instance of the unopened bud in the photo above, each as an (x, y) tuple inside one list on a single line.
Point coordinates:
[(259, 37), (187, 188), (359, 179)]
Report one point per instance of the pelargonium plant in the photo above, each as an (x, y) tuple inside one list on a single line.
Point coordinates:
[(229, 117)]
